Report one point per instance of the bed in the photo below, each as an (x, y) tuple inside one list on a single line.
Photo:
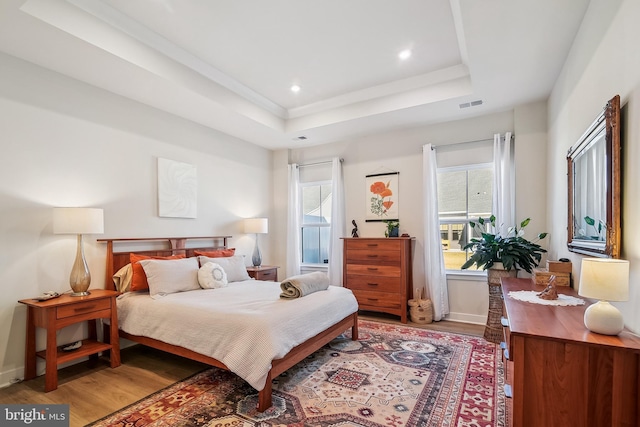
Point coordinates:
[(247, 317)]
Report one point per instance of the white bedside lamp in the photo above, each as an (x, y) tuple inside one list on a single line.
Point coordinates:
[(257, 226), (79, 221), (605, 279)]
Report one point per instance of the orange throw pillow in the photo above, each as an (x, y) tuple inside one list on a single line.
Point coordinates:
[(139, 278), (218, 253)]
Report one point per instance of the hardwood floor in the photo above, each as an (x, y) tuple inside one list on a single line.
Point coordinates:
[(94, 390)]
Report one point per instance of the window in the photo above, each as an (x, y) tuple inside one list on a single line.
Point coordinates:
[(316, 221), (464, 194)]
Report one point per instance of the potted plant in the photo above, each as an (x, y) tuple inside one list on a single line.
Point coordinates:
[(502, 256), (393, 228), (513, 250)]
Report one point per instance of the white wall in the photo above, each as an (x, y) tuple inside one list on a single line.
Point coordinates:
[(604, 61), (402, 151), (64, 143)]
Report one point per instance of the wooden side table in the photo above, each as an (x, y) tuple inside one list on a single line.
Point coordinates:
[(55, 314), (264, 272)]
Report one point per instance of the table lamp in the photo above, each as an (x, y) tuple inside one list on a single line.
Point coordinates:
[(605, 279), (257, 226), (79, 221)]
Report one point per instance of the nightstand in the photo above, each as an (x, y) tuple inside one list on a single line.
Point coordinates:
[(55, 314), (264, 272)]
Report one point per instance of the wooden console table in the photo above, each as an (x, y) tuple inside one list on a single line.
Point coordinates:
[(560, 374)]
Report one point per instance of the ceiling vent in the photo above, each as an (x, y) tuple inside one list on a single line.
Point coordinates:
[(471, 104)]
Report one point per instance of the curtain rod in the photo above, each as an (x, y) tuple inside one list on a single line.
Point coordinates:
[(319, 163), (433, 147)]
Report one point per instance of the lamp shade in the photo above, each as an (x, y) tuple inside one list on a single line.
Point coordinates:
[(78, 221), (256, 225), (604, 279)]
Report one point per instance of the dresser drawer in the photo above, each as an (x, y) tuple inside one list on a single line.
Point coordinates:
[(377, 244), (373, 270), (82, 308), (372, 299), (374, 283), (373, 255)]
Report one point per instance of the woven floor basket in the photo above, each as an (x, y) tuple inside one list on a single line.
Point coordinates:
[(421, 311)]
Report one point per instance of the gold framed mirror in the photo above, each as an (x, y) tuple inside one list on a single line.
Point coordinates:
[(593, 164)]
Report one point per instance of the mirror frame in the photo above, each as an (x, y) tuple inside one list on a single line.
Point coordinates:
[(609, 122)]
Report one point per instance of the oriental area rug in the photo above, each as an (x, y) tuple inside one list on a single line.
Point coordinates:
[(393, 376)]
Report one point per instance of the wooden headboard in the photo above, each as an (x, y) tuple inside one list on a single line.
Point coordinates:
[(162, 246)]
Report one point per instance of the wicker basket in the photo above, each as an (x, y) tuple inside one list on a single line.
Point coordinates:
[(420, 310), (422, 315), (493, 332)]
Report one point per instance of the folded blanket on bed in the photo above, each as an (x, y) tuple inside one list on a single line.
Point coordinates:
[(304, 284)]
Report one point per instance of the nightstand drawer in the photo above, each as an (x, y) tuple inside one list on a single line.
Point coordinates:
[(82, 308), (266, 275)]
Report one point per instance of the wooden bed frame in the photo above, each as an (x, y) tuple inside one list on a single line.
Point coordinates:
[(177, 246)]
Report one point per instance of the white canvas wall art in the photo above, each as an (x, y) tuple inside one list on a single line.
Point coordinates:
[(177, 189)]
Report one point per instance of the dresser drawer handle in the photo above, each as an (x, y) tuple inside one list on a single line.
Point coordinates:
[(85, 308), (372, 284), (372, 256), (372, 299), (372, 268), (373, 245)]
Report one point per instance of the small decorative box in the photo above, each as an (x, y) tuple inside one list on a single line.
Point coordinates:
[(559, 266), (541, 277)]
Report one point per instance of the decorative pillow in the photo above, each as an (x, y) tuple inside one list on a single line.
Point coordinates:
[(212, 276), (171, 276), (122, 279), (233, 266), (139, 279), (218, 253)]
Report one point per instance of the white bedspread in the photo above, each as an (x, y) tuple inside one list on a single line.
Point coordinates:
[(245, 325)]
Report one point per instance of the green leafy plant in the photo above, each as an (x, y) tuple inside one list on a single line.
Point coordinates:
[(598, 230), (391, 224), (512, 250)]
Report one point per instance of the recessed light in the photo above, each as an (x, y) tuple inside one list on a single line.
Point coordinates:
[(295, 88), (405, 54)]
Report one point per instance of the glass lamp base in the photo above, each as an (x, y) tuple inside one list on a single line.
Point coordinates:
[(80, 294)]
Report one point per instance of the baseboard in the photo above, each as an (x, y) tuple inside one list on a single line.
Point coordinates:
[(476, 319), (10, 377)]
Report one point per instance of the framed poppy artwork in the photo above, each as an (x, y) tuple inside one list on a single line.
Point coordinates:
[(382, 196)]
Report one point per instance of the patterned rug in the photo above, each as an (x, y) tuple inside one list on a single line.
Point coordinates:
[(393, 376)]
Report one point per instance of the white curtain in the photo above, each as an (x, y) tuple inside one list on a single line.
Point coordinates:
[(337, 223), (504, 183), (434, 271), (293, 222)]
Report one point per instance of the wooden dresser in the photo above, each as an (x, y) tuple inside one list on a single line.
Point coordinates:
[(559, 373), (378, 271)]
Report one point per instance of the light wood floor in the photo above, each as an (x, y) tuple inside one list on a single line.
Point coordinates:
[(94, 390)]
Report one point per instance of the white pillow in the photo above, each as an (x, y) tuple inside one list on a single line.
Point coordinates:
[(232, 265), (168, 276), (212, 276)]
